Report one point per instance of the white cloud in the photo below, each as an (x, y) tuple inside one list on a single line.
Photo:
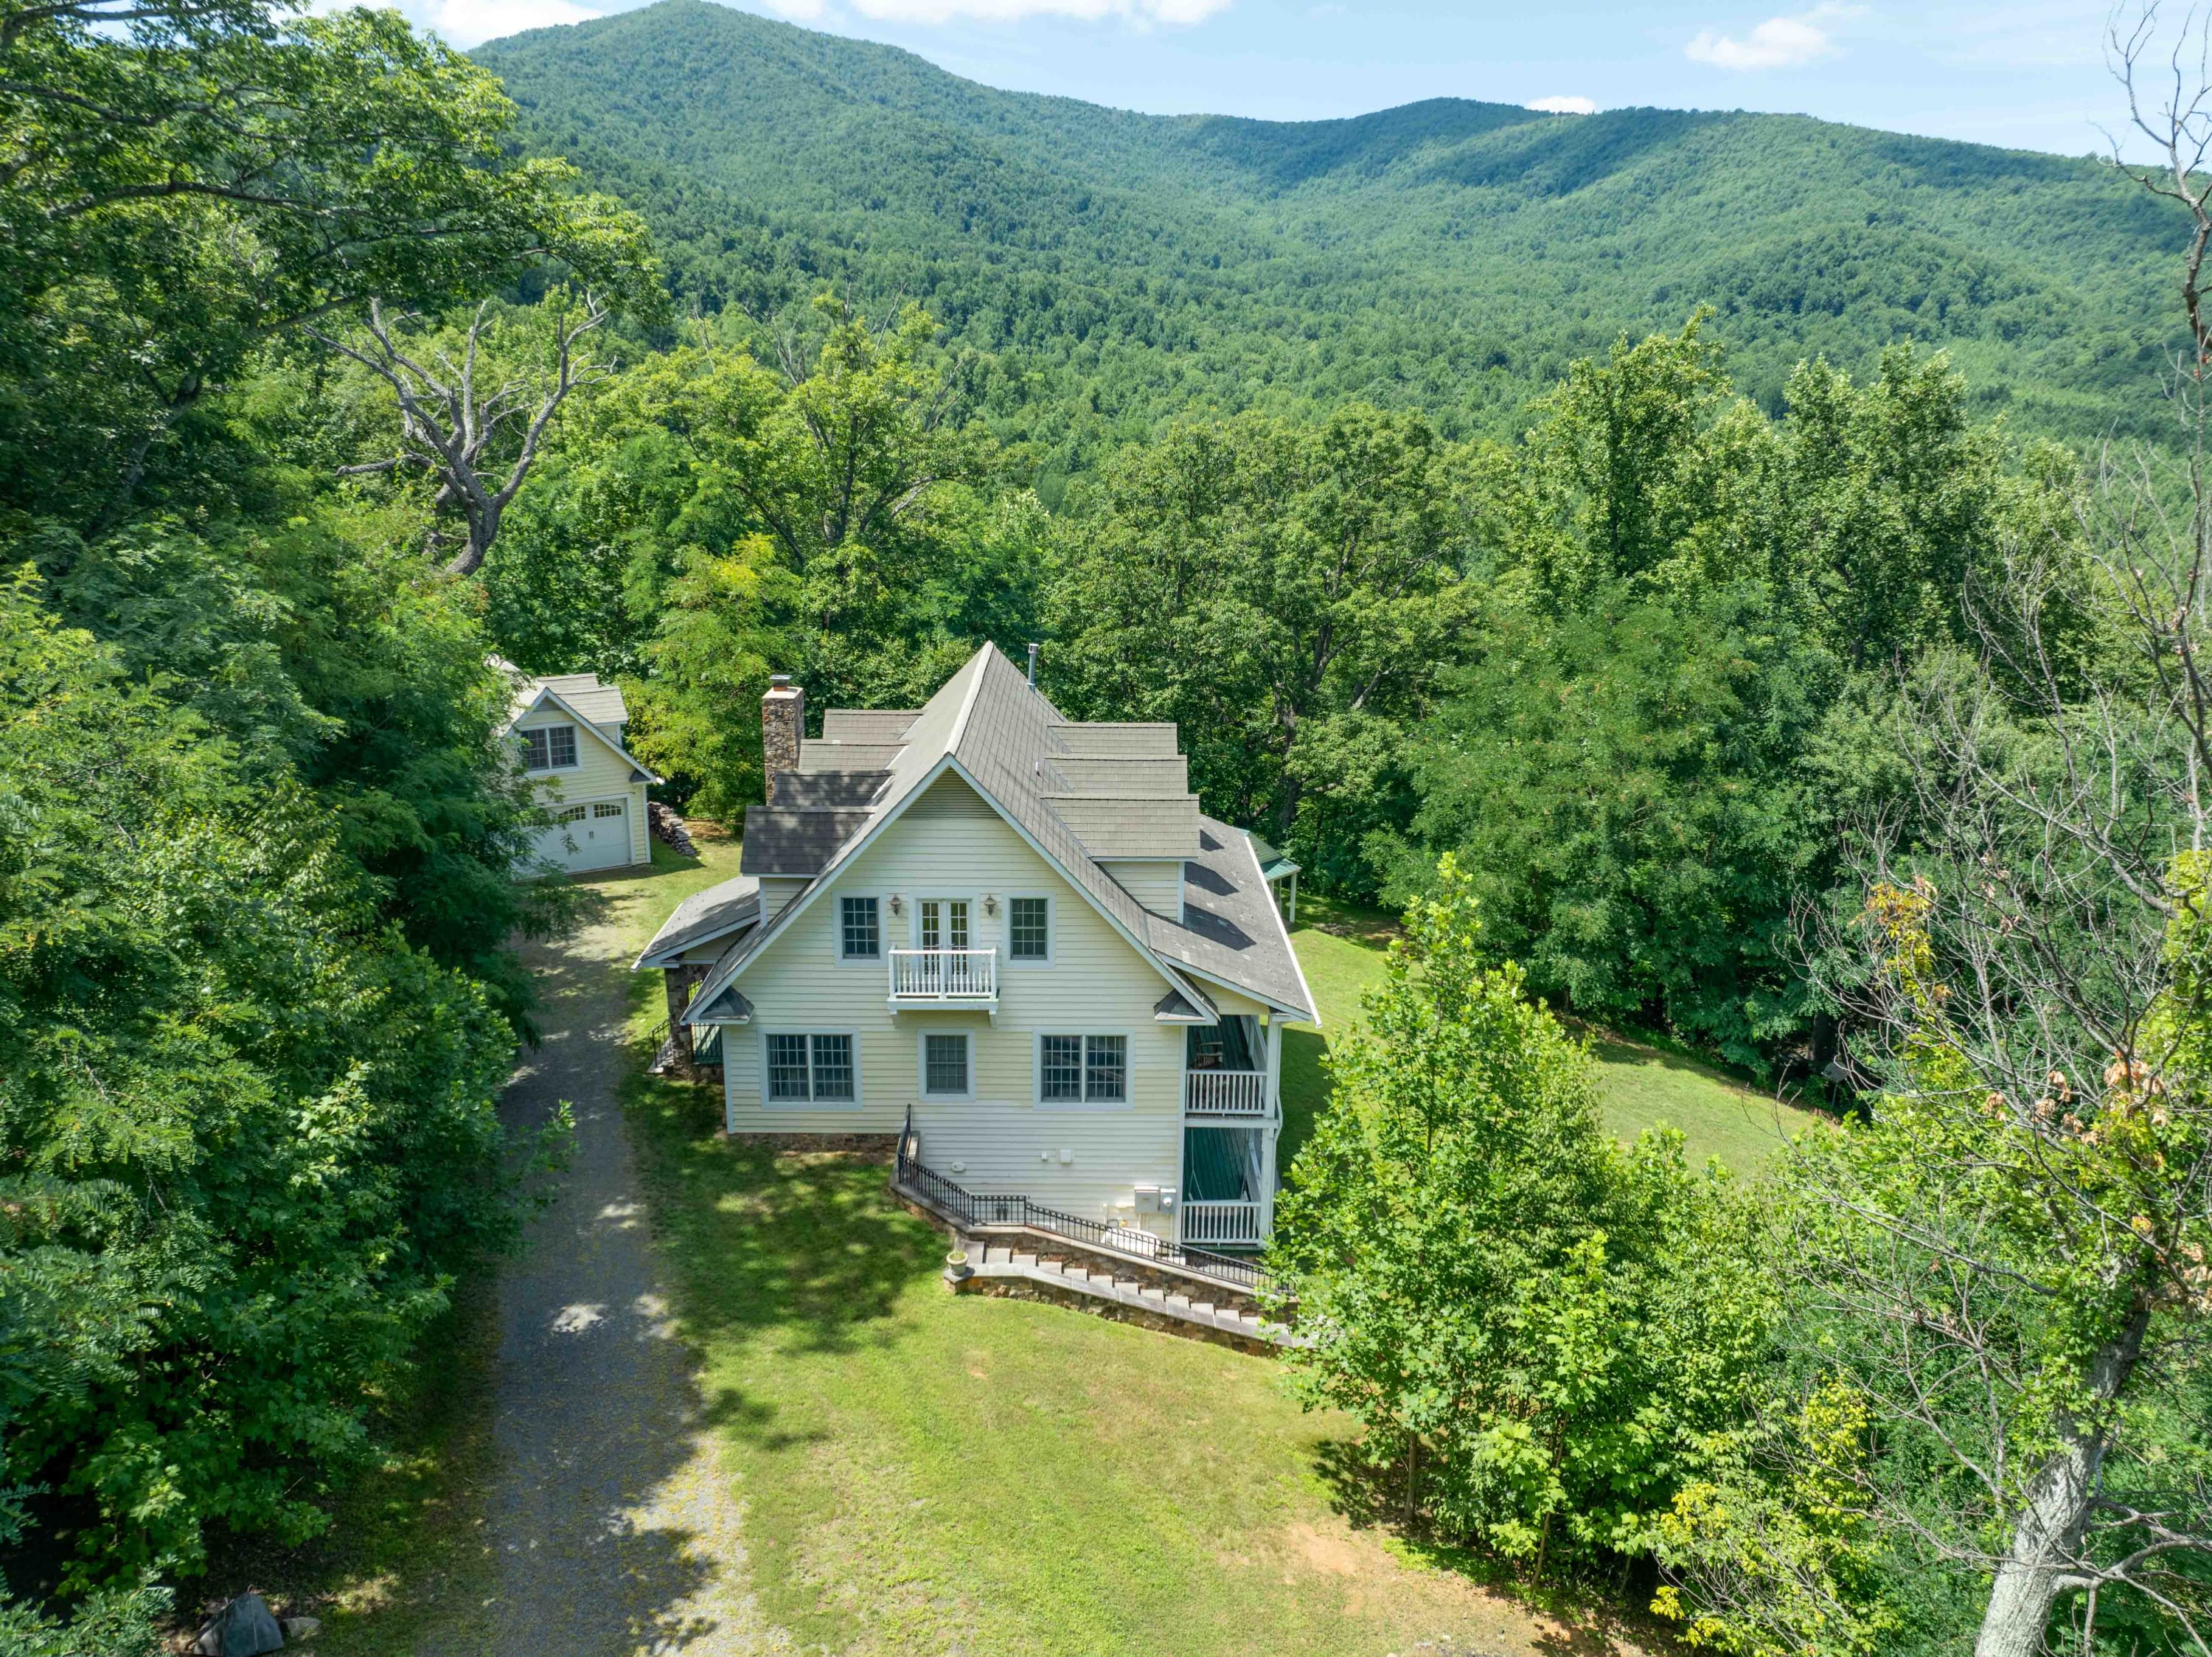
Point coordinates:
[(1563, 106), (468, 22), (1139, 12), (1777, 43)]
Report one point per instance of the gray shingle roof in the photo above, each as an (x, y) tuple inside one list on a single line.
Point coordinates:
[(600, 703), (866, 724), (803, 791), (1001, 733), (779, 841), (819, 754), (600, 706), (1129, 828), (1116, 741), (1165, 778), (719, 912)]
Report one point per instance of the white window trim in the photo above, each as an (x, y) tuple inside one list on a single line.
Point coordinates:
[(549, 727), (1084, 1106), (1051, 931), (837, 934), (922, 1067), (860, 1084)]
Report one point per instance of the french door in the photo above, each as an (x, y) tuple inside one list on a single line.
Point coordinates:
[(944, 923)]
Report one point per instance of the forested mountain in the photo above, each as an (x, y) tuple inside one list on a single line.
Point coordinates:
[(1448, 255)]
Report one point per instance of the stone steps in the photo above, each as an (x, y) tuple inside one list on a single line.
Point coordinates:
[(998, 1262)]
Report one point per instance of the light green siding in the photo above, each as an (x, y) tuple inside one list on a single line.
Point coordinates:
[(599, 773)]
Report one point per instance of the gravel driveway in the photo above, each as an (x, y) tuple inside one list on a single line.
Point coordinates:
[(613, 1531)]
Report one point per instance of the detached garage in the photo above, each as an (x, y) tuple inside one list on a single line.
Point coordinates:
[(567, 732)]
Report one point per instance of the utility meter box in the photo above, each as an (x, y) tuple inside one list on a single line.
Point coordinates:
[(1148, 1199)]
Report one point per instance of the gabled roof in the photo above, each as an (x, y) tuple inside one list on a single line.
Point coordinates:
[(584, 693), (602, 704), (720, 911), (991, 727)]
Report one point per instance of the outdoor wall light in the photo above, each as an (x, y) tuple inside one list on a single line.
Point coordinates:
[(990, 903), (898, 904)]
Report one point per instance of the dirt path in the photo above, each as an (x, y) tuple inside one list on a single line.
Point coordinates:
[(611, 1528)]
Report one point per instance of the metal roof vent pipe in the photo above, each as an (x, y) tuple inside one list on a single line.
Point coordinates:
[(1034, 649)]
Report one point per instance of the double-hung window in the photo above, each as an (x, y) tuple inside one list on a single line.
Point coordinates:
[(1028, 929), (809, 1070), (1083, 1069), (550, 747), (859, 930), (944, 1066)]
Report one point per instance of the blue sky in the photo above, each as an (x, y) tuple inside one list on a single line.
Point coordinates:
[(2030, 74)]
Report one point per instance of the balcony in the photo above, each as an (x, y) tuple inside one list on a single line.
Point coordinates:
[(1222, 1225), (964, 978), (1217, 1093)]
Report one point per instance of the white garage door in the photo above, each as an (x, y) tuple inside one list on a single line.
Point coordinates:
[(596, 835)]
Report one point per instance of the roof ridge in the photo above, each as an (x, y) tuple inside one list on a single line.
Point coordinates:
[(967, 702)]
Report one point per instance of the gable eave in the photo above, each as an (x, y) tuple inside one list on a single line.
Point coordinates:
[(645, 773), (821, 882)]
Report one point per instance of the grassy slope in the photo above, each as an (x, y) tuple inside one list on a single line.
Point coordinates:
[(1639, 1085), (923, 1473)]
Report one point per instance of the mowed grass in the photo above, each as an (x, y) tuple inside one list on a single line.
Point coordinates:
[(922, 1472), (1341, 949)]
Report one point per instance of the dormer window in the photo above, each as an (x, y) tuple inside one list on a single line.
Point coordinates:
[(550, 747)]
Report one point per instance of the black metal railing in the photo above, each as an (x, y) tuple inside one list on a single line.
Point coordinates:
[(966, 1209)]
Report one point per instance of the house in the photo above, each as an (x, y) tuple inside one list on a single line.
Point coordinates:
[(1017, 933), (567, 730)]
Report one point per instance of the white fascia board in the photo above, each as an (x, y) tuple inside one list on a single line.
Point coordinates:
[(547, 693), (1283, 931), (673, 956)]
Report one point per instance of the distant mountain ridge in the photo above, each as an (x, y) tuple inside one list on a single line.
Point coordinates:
[(1449, 254)]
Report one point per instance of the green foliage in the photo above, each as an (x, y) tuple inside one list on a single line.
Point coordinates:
[(839, 519), (186, 181), (1653, 731), (1449, 256), (1538, 1328), (251, 1132), (1282, 592), (111, 1624), (317, 649)]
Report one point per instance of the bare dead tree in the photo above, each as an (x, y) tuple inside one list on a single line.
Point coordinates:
[(478, 444)]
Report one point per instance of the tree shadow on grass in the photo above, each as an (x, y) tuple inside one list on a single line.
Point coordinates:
[(1372, 1498), (807, 1244)]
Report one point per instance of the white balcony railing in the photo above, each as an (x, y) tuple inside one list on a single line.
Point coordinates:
[(1225, 1092), (1210, 1224), (944, 975)]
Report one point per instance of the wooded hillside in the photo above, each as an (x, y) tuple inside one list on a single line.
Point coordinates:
[(1449, 256)]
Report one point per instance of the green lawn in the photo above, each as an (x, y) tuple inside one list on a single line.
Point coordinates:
[(1640, 1086), (922, 1472)]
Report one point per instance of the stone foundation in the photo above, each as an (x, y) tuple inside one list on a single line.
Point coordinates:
[(871, 1147)]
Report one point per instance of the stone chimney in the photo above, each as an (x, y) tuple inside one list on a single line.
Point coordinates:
[(783, 723)]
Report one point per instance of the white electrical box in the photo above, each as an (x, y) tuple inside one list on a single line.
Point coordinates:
[(1148, 1199), (1067, 1157)]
